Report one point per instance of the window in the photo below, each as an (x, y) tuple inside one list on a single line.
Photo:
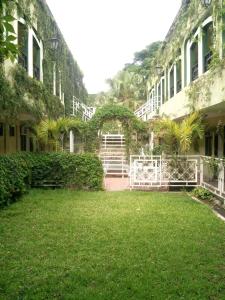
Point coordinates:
[(11, 131), (179, 78), (163, 90), (31, 144), (216, 144), (194, 61), (224, 141), (23, 45), (159, 96), (36, 60), (1, 129), (171, 82), (207, 45), (208, 144), (23, 138)]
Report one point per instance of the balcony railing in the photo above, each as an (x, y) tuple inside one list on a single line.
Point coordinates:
[(194, 72), (207, 60), (23, 61), (36, 71)]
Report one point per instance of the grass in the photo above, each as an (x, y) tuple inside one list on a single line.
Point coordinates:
[(126, 245)]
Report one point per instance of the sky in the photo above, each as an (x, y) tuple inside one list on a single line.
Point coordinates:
[(103, 35)]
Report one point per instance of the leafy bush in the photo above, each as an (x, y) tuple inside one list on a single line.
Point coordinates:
[(14, 178), (202, 193), (20, 171)]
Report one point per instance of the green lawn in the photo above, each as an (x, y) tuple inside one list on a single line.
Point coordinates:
[(127, 245)]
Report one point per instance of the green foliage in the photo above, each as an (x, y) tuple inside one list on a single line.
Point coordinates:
[(130, 126), (66, 65), (71, 75), (14, 178), (128, 87), (8, 48), (143, 60), (23, 94), (60, 244), (20, 171), (51, 133), (202, 193), (178, 138)]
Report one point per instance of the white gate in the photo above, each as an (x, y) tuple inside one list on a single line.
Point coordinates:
[(157, 171)]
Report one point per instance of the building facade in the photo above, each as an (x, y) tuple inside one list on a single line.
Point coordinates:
[(42, 81), (190, 72)]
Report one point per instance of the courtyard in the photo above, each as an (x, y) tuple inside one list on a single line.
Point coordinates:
[(62, 244)]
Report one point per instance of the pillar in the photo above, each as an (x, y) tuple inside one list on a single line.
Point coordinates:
[(71, 141)]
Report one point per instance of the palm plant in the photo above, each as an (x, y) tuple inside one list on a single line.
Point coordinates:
[(52, 133), (178, 138)]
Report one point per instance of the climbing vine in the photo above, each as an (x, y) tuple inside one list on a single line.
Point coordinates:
[(23, 94), (135, 130), (37, 15)]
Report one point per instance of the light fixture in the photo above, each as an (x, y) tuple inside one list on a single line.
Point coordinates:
[(159, 70), (54, 43), (206, 3)]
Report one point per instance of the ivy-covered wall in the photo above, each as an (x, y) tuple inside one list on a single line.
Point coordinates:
[(29, 95), (72, 77)]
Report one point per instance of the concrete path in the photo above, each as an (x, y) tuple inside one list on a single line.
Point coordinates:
[(116, 184)]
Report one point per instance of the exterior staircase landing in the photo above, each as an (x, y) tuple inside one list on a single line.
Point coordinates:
[(113, 156)]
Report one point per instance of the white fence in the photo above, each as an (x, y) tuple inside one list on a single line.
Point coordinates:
[(187, 171), (157, 171), (212, 175)]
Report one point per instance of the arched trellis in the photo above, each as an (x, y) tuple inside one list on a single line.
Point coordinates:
[(131, 126)]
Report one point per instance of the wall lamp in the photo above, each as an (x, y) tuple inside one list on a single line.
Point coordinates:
[(206, 3)]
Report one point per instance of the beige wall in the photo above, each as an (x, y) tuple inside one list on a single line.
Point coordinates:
[(179, 105)]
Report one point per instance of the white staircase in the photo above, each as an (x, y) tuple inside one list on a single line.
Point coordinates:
[(113, 155)]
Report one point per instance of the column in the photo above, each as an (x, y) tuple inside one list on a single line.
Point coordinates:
[(30, 52), (41, 61), (54, 79), (183, 66), (188, 70), (175, 78), (60, 86), (200, 53), (71, 141)]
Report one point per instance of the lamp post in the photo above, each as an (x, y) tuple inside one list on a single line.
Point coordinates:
[(206, 3)]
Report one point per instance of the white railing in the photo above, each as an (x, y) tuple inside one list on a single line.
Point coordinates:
[(158, 171), (192, 170), (113, 155), (149, 108), (87, 112), (213, 175)]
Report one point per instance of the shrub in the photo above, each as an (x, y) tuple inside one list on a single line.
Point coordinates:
[(20, 171), (14, 178), (202, 193)]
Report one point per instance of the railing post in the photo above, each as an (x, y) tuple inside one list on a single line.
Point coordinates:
[(221, 177), (201, 161)]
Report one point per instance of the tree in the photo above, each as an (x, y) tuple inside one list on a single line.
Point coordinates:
[(51, 133), (178, 138), (127, 88), (8, 48), (143, 60)]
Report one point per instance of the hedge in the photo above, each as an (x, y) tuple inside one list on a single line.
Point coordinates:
[(19, 172)]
